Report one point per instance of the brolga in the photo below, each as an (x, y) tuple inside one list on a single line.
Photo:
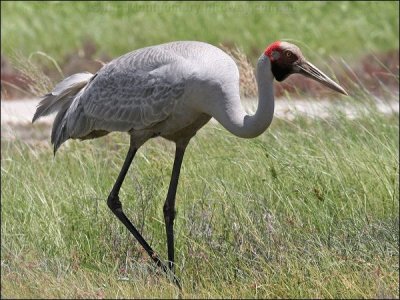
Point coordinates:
[(171, 91)]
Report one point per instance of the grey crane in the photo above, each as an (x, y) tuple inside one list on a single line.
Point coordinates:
[(169, 90)]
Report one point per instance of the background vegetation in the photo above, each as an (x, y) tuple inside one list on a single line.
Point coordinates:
[(342, 29)]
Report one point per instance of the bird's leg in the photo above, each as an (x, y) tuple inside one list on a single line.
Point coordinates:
[(115, 205), (169, 206)]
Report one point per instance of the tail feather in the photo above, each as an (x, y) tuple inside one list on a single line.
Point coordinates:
[(58, 133), (62, 92), (60, 99)]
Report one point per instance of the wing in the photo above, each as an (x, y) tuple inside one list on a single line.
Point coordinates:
[(125, 97)]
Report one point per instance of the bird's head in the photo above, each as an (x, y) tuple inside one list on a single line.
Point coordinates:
[(287, 59)]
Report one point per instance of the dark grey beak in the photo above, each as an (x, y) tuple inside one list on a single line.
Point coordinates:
[(307, 69)]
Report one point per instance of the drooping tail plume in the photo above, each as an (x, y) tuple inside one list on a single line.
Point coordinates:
[(60, 99)]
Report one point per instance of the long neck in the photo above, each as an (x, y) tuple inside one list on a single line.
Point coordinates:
[(241, 124)]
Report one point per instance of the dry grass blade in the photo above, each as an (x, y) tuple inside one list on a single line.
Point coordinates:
[(37, 82), (248, 84)]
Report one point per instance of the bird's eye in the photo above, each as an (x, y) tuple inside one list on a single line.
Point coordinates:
[(288, 54)]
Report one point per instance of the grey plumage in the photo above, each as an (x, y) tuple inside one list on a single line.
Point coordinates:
[(59, 100), (169, 90), (131, 93), (62, 92)]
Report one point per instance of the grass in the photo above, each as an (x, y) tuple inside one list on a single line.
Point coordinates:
[(307, 210), (343, 29)]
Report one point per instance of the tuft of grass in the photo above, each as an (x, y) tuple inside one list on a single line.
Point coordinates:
[(307, 210), (37, 83), (247, 80)]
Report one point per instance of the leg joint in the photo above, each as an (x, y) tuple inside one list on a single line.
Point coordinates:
[(113, 202), (169, 214)]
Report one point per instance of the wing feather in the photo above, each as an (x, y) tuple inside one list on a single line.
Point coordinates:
[(136, 97)]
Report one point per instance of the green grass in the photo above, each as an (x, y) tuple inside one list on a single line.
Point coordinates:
[(345, 29), (307, 210)]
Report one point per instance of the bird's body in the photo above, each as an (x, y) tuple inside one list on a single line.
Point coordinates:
[(169, 90)]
